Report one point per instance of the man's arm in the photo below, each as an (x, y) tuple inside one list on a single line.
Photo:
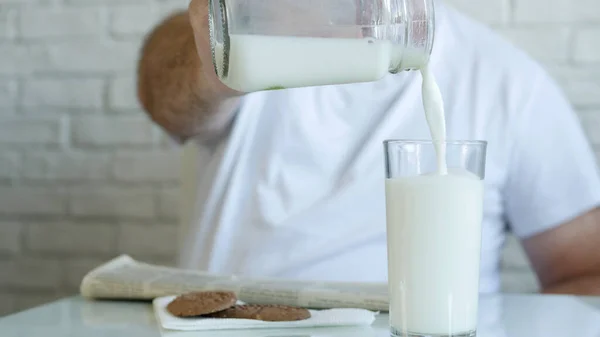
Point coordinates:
[(552, 190), (567, 258), (177, 85)]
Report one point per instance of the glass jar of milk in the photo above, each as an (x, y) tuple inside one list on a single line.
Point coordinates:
[(273, 44)]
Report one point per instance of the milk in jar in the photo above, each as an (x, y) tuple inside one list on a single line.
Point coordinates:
[(272, 62), (273, 44)]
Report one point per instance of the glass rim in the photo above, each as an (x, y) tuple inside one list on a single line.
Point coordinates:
[(431, 142)]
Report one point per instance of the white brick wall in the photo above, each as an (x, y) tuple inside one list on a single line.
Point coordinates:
[(22, 59), (113, 201), (556, 11), (147, 240), (8, 93), (586, 48), (79, 93), (70, 239), (7, 24), (9, 165), (24, 200), (168, 203), (120, 96), (547, 44), (112, 131), (10, 237), (43, 22), (66, 166), (132, 167), (30, 130), (133, 19), (85, 176), (488, 11), (35, 273)]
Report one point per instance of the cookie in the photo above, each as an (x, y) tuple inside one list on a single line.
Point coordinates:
[(268, 312), (201, 303)]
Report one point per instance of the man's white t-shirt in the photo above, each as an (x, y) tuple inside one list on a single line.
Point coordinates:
[(295, 189)]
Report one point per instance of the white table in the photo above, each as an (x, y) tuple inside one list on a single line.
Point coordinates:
[(500, 316)]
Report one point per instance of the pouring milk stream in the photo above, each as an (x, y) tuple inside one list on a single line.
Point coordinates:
[(433, 105)]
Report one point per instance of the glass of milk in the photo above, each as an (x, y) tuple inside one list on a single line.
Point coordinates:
[(273, 44), (434, 236)]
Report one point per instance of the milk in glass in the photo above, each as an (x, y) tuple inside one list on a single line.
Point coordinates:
[(434, 222)]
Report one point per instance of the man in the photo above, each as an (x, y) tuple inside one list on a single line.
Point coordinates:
[(293, 183)]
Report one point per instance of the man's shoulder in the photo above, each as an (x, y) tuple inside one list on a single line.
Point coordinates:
[(465, 43), (477, 68)]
